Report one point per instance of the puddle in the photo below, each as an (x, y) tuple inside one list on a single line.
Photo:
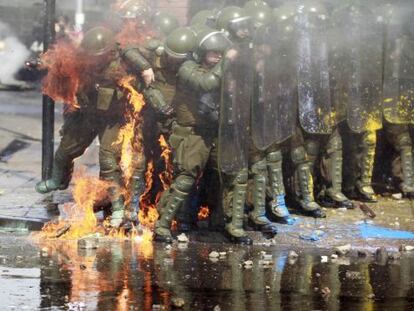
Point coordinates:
[(130, 276), (372, 231)]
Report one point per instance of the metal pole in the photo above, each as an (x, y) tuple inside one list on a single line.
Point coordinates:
[(48, 118)]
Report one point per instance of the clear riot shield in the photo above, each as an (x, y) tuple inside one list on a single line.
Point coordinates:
[(274, 103)]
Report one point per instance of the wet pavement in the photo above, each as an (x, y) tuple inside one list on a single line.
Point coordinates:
[(134, 275)]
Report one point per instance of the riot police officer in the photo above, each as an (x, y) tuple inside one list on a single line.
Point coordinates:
[(316, 113), (101, 113), (193, 139)]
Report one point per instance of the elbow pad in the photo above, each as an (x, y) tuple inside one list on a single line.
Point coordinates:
[(135, 59)]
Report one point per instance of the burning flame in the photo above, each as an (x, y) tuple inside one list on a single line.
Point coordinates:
[(63, 77), (130, 136), (148, 213), (203, 213), (68, 72), (80, 219), (166, 176)]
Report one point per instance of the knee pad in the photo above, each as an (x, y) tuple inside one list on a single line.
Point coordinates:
[(108, 163), (274, 156), (242, 177), (312, 148), (183, 184), (259, 167), (404, 140), (369, 139), (298, 155), (334, 144)]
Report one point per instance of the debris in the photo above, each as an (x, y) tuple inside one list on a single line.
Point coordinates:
[(318, 275), (168, 247), (217, 308), (334, 256), (406, 248), (182, 238), (62, 231), (82, 267), (353, 275), (267, 288), (366, 209), (293, 254), (156, 307), (248, 264), (178, 302), (214, 254), (342, 209), (371, 296), (397, 196), (394, 255), (343, 250), (315, 236), (324, 259), (88, 242), (223, 254)]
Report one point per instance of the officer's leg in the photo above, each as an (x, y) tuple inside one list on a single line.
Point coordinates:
[(237, 186), (363, 184), (333, 195), (191, 153), (179, 191), (312, 148), (277, 188), (137, 187), (304, 179), (110, 170), (136, 184), (77, 135), (257, 217), (401, 139)]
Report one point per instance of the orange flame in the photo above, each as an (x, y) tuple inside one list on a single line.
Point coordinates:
[(166, 176), (130, 136), (68, 72), (203, 213), (148, 213), (80, 219)]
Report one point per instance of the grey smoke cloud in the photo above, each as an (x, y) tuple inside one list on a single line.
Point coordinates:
[(13, 55)]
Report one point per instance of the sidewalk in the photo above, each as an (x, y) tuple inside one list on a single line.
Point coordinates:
[(21, 207)]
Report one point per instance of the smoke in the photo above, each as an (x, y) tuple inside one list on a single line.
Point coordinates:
[(13, 54)]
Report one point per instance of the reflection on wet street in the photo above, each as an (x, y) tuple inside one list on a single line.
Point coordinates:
[(125, 275)]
